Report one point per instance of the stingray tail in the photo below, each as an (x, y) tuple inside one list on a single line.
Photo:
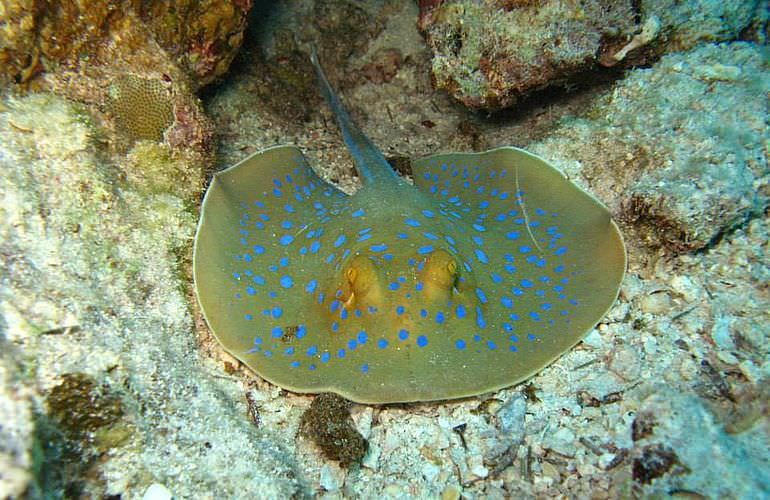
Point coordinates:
[(371, 165)]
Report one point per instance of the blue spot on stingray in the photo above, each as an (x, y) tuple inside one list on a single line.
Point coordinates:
[(315, 246), (513, 235), (312, 350), (412, 222), (325, 357), (479, 227), (440, 317), (364, 237), (311, 367), (480, 321), (277, 332), (362, 337), (277, 312), (425, 249), (341, 353), (507, 302), (481, 256), (450, 240), (295, 364), (419, 286), (428, 214), (560, 251), (259, 280), (283, 262), (382, 343), (525, 283), (258, 249), (497, 278), (286, 239), (365, 368), (400, 310), (339, 241), (403, 334), (460, 311), (481, 295), (379, 248), (311, 286), (289, 208), (251, 290), (460, 344), (248, 317), (394, 286), (352, 344), (358, 213), (491, 345), (422, 340), (430, 236), (287, 281), (301, 331), (287, 224), (402, 236), (524, 249)]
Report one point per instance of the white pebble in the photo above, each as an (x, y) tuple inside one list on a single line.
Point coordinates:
[(157, 491)]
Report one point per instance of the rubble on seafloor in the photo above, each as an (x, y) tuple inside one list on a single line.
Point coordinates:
[(666, 396)]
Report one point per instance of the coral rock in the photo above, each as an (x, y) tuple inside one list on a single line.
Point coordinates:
[(489, 54)]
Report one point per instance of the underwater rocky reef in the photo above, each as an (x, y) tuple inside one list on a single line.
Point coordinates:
[(113, 119)]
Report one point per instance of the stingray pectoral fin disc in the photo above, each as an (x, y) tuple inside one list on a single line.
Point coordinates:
[(545, 254), (484, 272), (257, 249)]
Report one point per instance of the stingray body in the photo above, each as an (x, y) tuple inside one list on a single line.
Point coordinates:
[(485, 270)]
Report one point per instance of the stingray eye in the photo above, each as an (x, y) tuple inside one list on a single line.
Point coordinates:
[(351, 274), (440, 271), (360, 275)]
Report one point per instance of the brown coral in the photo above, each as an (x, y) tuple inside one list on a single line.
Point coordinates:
[(141, 107), (327, 422)]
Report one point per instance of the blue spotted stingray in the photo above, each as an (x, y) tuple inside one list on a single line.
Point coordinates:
[(484, 270)]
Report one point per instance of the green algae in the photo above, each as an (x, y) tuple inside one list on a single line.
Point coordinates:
[(96, 248)]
